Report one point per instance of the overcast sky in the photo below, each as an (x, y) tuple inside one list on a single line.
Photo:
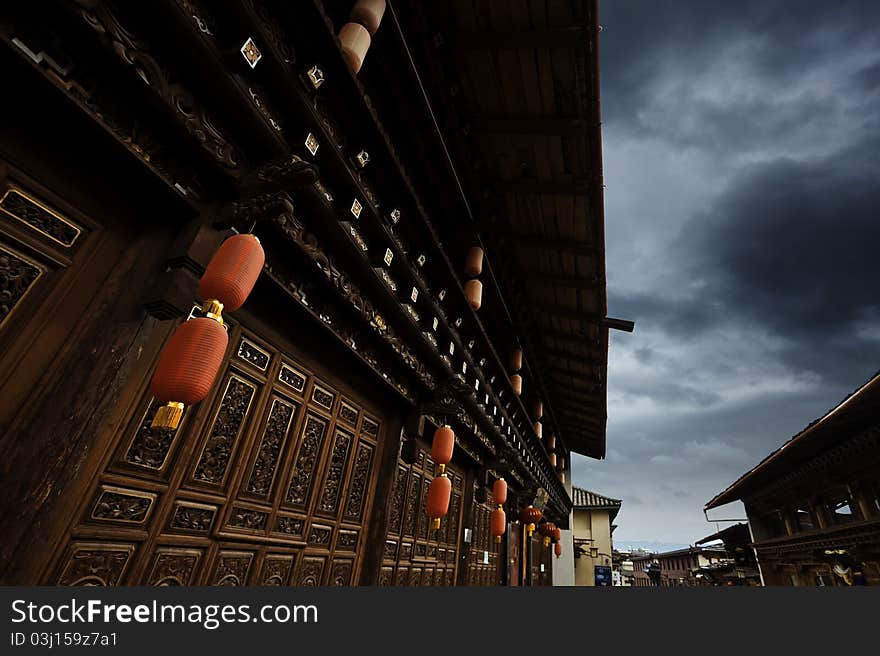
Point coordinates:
[(742, 170)]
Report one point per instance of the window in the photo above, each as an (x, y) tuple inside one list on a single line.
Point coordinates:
[(804, 520), (841, 512)]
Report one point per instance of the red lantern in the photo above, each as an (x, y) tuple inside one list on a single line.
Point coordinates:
[(556, 535), (187, 368), (551, 442), (516, 383), (473, 291), (553, 460), (538, 408), (368, 13), (498, 521), (558, 549), (438, 499), (442, 446), (539, 429), (529, 517), (546, 531), (516, 359), (354, 39), (473, 264), (231, 274), (499, 491)]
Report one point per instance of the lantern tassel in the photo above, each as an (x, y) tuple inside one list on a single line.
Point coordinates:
[(168, 416), (214, 310)]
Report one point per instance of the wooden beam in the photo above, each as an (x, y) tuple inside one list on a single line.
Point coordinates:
[(583, 419), (549, 187), (585, 341), (567, 396), (587, 359), (589, 385), (551, 244), (564, 126), (586, 282), (619, 324), (562, 37)]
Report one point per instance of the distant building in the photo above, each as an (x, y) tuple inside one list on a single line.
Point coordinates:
[(813, 505), (740, 567), (621, 568), (592, 526), (677, 568)]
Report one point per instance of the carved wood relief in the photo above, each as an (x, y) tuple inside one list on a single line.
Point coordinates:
[(174, 567), (271, 458), (18, 275), (95, 564), (424, 556)]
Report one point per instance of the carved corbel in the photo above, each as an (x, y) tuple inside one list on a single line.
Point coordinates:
[(287, 174), (244, 214)]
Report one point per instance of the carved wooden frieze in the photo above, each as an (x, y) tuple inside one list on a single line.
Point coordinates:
[(352, 295), (181, 103), (190, 517), (149, 446), (292, 527), (276, 569), (252, 354), (398, 496), (271, 442), (174, 567), (412, 507), (311, 571), (347, 540), (386, 576), (199, 15), (360, 479), (275, 35), (323, 397), (341, 571), (120, 505), (38, 216), (231, 568), (370, 428), (106, 106), (248, 519), (320, 536), (335, 473), (299, 490), (18, 275), (292, 378), (224, 432), (95, 564), (348, 413)]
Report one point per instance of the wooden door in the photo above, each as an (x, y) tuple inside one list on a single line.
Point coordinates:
[(413, 554), (485, 557), (541, 561), (267, 482)]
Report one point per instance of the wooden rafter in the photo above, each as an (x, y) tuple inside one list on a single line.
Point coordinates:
[(555, 245), (535, 186), (562, 37), (538, 125)]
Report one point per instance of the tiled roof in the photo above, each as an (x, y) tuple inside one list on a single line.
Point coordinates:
[(587, 499)]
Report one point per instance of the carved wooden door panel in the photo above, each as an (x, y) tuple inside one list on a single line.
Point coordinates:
[(267, 483), (414, 554), (484, 556)]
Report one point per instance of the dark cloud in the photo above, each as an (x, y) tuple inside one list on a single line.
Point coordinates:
[(742, 159)]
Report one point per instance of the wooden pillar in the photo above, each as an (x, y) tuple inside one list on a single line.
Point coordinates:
[(377, 526)]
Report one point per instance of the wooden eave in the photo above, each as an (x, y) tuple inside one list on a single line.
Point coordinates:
[(526, 107), (856, 413)]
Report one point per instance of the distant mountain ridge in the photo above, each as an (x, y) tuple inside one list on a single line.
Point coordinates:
[(648, 545)]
